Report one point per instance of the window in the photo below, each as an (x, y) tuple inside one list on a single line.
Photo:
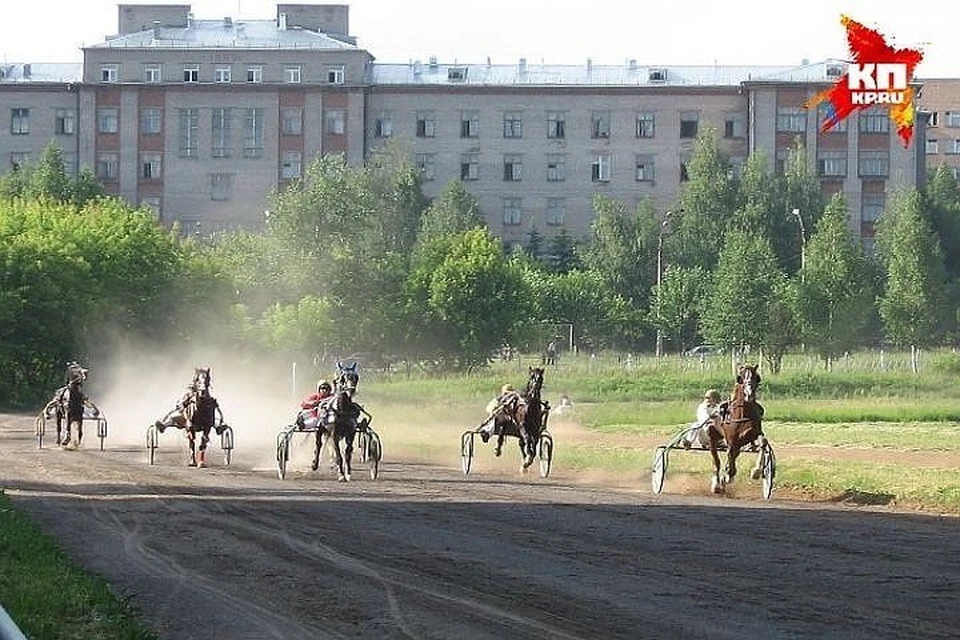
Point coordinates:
[(556, 167), (335, 75), (383, 127), (512, 211), (426, 165), (733, 126), (336, 122), (600, 124), (646, 125), (19, 121), (953, 147), (934, 119), (152, 73), (108, 119), (253, 133), (291, 121), (221, 132), (512, 167), (689, 124), (426, 124), (831, 164), (189, 131), (223, 75), (512, 124), (109, 72), (933, 147), (645, 168), (600, 168), (791, 120), (292, 163), (18, 159), (70, 163), (64, 122), (221, 186), (556, 125), (781, 158), (469, 124), (255, 75), (556, 211), (150, 166), (874, 164), (291, 75), (108, 167), (874, 122), (152, 203), (872, 206), (457, 74), (191, 73), (469, 167), (151, 120), (953, 118), (823, 112)]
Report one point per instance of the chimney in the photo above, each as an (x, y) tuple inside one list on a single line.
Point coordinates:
[(417, 68), (589, 65), (522, 66), (227, 22), (433, 62), (632, 64), (27, 71), (282, 22), (156, 29), (190, 20)]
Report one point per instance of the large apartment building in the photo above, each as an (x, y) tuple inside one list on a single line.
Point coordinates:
[(202, 119)]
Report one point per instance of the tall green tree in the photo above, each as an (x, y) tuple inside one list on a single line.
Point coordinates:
[(676, 304), (942, 204), (912, 302), (834, 295), (622, 248), (800, 192), (562, 256)]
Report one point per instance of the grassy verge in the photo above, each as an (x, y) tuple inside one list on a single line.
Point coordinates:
[(48, 596)]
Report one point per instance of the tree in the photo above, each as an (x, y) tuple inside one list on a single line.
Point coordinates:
[(454, 211), (600, 317), (833, 300), (800, 191), (707, 202), (912, 303), (736, 311), (622, 248), (562, 253), (942, 203), (676, 304)]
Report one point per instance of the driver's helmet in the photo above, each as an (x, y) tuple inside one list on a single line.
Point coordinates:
[(507, 388), (323, 385), (712, 396)]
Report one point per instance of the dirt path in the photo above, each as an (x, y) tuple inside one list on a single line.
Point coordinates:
[(425, 552)]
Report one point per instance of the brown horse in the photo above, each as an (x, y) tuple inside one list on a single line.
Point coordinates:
[(196, 412), (736, 426), (340, 417), (521, 415)]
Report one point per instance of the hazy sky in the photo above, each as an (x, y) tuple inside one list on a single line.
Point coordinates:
[(672, 32)]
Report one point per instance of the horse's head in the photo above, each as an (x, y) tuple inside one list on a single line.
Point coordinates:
[(749, 380), (535, 382), (76, 374), (201, 381), (347, 378)]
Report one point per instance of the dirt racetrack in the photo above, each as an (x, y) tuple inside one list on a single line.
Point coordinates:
[(424, 552)]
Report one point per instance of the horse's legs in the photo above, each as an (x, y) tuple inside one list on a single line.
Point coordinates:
[(348, 453), (79, 431), (204, 440), (317, 450), (341, 476), (192, 443), (500, 436), (731, 469), (716, 482), (59, 416)]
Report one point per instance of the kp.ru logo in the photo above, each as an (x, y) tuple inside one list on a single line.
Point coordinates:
[(881, 83), (879, 75)]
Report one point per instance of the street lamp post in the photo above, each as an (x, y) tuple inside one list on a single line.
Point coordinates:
[(663, 228), (803, 243)]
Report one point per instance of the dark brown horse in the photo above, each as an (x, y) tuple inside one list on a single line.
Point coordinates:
[(339, 417), (196, 413), (521, 415), (70, 402), (736, 426)]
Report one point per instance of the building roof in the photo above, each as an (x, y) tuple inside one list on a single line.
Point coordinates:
[(41, 72), (228, 34), (630, 74)]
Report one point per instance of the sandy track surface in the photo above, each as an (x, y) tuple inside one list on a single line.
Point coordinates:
[(425, 552)]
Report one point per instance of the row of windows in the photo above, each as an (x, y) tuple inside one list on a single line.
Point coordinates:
[(600, 126), (221, 74), (794, 120), (951, 147), (601, 167), (952, 118), (513, 211), (150, 166), (64, 121)]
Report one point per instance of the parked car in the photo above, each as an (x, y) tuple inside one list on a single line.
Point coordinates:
[(703, 350)]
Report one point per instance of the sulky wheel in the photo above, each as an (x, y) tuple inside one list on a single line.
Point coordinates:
[(545, 453), (40, 427), (102, 430), (283, 453), (226, 444), (374, 453), (466, 451), (659, 471), (363, 441), (152, 444), (768, 470)]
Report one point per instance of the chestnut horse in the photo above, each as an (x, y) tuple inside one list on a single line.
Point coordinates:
[(196, 413), (737, 425), (521, 415)]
